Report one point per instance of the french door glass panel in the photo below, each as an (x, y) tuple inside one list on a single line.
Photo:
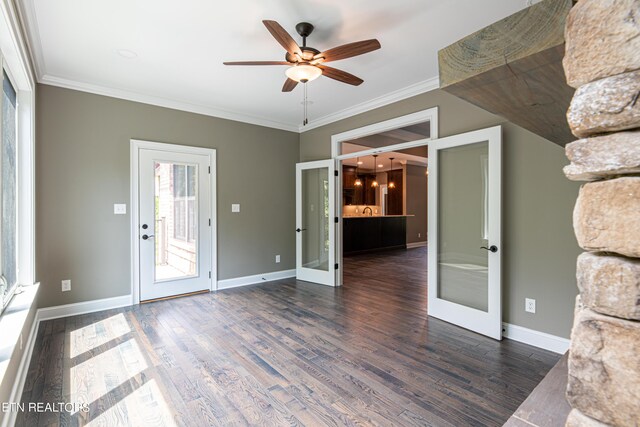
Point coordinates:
[(315, 219), (462, 264), (465, 230), (315, 232)]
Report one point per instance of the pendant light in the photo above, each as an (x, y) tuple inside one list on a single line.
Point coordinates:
[(375, 171), (391, 183), (358, 182)]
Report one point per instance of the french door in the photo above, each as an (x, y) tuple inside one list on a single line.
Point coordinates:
[(464, 231), (315, 226), (174, 223)]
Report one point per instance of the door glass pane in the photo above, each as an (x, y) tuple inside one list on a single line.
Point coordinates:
[(315, 219), (462, 225), (176, 221)]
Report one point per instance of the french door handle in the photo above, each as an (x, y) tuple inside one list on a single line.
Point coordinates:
[(301, 229), (145, 236), (492, 248)]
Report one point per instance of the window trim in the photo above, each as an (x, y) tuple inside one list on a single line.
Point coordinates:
[(15, 61)]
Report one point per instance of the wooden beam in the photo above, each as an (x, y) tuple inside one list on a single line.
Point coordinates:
[(513, 68)]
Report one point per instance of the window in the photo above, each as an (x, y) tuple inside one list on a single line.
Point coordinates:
[(8, 191), (184, 193)]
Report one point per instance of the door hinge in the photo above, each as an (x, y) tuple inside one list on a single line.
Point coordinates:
[(335, 173), (209, 275), (209, 169), (209, 222), (336, 266), (336, 220)]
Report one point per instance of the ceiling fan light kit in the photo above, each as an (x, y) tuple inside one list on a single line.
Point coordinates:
[(306, 63), (303, 73)]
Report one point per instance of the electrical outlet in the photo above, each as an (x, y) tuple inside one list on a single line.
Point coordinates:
[(277, 259), (529, 305), (66, 285), (235, 207), (419, 235)]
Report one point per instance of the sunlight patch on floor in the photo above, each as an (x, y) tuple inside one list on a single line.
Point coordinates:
[(106, 371), (96, 334), (143, 407)]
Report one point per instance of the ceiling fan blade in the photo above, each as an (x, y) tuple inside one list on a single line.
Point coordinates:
[(289, 85), (282, 37), (257, 63), (339, 75), (349, 50)]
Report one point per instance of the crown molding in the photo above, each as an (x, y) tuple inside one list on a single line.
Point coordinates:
[(33, 41), (164, 102), (395, 96)]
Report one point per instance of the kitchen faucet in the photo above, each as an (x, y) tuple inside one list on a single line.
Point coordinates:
[(365, 210)]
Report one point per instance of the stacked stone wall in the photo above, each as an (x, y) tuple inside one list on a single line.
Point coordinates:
[(602, 62)]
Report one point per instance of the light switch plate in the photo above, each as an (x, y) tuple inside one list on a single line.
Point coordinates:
[(119, 209), (235, 207), (66, 285)]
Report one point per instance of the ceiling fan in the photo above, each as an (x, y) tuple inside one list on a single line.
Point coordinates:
[(305, 62)]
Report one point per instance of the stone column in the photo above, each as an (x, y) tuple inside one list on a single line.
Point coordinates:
[(602, 61)]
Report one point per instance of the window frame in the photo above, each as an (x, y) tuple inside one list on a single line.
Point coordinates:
[(14, 62)]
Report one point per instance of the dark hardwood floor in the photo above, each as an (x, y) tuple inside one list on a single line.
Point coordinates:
[(283, 353)]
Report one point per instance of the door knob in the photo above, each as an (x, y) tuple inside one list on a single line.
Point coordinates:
[(145, 226), (301, 229), (492, 248), (145, 237)]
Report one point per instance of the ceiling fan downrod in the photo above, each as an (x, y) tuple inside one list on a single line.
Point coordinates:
[(304, 29)]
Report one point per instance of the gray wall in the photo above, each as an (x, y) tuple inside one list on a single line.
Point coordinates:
[(416, 203), (539, 248), (82, 169)]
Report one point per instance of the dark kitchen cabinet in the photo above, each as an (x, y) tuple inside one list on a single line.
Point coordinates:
[(368, 234), (357, 195), (394, 195)]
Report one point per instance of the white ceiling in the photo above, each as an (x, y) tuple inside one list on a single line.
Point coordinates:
[(180, 48)]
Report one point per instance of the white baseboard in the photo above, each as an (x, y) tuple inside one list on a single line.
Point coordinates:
[(416, 245), (536, 338), (83, 307), (257, 278)]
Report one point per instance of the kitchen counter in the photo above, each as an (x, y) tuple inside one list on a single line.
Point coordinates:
[(377, 233)]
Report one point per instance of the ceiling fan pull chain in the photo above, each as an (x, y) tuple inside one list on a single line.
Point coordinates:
[(306, 103)]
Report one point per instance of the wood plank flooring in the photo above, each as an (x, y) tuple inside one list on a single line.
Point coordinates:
[(283, 353)]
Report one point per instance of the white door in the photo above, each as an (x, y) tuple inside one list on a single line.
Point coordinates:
[(315, 226), (464, 231), (174, 224)]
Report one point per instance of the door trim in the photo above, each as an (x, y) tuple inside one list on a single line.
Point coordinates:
[(135, 146)]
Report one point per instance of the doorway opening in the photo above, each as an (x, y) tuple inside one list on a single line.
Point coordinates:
[(463, 200), (385, 220), (382, 198)]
